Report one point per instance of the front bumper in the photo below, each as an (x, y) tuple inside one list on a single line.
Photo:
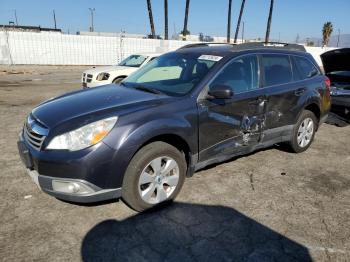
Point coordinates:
[(92, 169), (95, 84), (45, 184)]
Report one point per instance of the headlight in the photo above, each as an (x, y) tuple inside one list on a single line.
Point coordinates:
[(83, 137), (102, 76)]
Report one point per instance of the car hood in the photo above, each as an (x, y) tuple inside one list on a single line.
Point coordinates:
[(107, 69), (100, 101), (336, 60)]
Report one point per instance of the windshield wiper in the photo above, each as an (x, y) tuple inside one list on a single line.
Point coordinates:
[(148, 89)]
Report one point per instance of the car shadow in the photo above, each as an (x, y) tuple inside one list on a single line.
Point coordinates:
[(189, 232)]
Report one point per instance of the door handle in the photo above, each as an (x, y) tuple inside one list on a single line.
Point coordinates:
[(299, 91)]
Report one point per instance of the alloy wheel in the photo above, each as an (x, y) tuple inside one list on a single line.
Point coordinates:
[(305, 132), (158, 180)]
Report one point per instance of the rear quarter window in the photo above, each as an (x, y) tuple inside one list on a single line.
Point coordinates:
[(277, 69), (305, 68)]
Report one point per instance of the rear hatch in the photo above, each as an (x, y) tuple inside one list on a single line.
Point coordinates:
[(336, 64)]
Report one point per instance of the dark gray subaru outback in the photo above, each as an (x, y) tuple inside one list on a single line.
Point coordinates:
[(185, 110)]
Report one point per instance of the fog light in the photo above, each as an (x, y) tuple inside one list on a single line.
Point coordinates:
[(71, 187)]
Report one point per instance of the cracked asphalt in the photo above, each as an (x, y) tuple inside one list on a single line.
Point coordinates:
[(271, 205)]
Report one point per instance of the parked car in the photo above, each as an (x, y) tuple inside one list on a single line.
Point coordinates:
[(104, 75), (336, 64), (186, 110)]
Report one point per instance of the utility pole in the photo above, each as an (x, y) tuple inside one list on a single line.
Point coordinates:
[(242, 32), (16, 17), (338, 37), (54, 18), (92, 10)]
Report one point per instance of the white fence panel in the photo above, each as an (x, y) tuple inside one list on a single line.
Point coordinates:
[(60, 49)]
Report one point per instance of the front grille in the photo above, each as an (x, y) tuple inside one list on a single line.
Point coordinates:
[(32, 136), (87, 78)]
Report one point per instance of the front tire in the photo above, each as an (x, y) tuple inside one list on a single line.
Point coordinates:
[(304, 132), (155, 175)]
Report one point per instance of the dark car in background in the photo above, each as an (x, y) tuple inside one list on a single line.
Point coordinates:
[(336, 65), (183, 111)]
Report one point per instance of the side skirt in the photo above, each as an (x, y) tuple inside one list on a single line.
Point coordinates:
[(270, 137)]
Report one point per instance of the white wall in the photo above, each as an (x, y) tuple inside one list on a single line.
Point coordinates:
[(47, 48), (316, 52)]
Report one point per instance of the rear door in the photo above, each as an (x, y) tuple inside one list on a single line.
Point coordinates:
[(282, 91), (227, 126)]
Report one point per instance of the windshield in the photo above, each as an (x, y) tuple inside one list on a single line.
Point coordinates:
[(173, 74), (133, 61)]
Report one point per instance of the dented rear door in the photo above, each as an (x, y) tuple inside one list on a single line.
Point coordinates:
[(282, 91)]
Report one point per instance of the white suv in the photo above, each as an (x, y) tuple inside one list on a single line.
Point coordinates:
[(104, 75)]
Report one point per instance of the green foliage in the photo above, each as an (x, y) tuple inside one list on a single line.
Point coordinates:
[(326, 32)]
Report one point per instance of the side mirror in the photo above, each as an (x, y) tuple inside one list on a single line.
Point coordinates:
[(220, 92)]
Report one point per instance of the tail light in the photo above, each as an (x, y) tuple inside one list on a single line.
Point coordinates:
[(329, 92), (327, 83)]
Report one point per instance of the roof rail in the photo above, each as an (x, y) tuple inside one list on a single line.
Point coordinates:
[(285, 46), (204, 44)]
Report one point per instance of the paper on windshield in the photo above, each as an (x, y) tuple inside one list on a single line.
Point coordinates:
[(214, 58)]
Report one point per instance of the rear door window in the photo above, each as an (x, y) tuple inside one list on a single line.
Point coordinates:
[(277, 69), (305, 68)]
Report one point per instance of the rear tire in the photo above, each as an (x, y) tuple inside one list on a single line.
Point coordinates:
[(304, 132), (145, 183)]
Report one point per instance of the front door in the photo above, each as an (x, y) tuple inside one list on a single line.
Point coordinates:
[(227, 126)]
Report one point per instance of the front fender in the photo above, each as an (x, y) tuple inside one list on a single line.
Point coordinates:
[(127, 141), (136, 137)]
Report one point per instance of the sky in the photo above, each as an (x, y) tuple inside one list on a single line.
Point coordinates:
[(290, 17)]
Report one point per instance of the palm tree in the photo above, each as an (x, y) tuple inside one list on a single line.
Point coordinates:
[(239, 20), (326, 32), (149, 7), (267, 37), (185, 31), (166, 19), (229, 21)]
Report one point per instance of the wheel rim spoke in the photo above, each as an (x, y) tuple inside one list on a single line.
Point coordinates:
[(146, 178), (171, 180), (161, 194), (156, 165), (148, 192), (169, 165)]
